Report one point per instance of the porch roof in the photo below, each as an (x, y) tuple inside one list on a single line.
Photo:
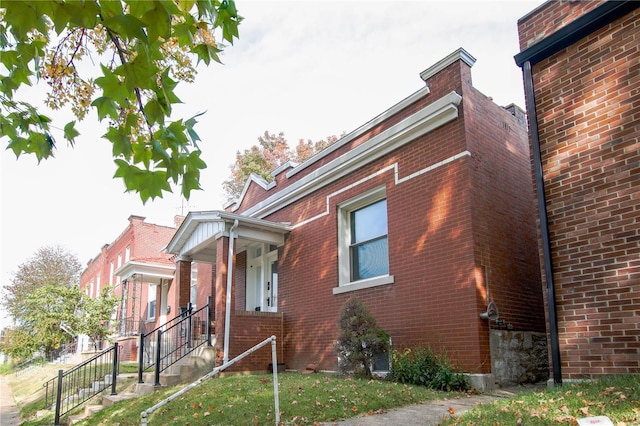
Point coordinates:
[(195, 238), (150, 271)]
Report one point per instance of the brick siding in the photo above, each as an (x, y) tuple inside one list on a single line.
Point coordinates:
[(588, 105)]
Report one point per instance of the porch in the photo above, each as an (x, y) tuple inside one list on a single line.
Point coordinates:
[(244, 282)]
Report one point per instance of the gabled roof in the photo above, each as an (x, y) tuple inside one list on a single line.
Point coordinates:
[(196, 237)]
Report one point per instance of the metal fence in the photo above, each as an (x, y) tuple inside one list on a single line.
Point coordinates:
[(77, 385), (167, 344)]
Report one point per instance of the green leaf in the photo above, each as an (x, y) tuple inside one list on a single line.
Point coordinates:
[(21, 18), (106, 107), (158, 22), (206, 52), (111, 85), (139, 73), (70, 132), (190, 182), (83, 14), (121, 144), (154, 112), (109, 9), (128, 26)]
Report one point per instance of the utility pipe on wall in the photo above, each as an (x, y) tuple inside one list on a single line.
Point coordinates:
[(544, 222), (227, 312)]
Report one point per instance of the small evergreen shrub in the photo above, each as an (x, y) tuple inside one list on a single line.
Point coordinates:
[(360, 339), (421, 366)]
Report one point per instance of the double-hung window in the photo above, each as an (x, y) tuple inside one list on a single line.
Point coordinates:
[(363, 249), (369, 251)]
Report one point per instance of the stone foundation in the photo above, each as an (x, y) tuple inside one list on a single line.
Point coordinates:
[(519, 357)]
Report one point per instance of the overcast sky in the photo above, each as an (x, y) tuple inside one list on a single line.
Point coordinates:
[(308, 69)]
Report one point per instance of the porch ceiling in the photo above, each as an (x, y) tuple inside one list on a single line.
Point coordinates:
[(196, 237)]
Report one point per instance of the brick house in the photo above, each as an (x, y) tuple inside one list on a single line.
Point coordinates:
[(581, 66), (425, 213), (140, 273)]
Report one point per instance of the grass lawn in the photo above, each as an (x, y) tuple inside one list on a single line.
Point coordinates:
[(248, 399), (307, 399), (615, 397)]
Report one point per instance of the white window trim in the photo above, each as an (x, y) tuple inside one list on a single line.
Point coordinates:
[(149, 300), (362, 284), (344, 237)]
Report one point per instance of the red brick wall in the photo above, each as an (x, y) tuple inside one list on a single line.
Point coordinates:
[(440, 234), (504, 221), (550, 17), (146, 241), (247, 330), (588, 105)]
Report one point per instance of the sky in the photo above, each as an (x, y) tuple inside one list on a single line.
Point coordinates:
[(309, 69)]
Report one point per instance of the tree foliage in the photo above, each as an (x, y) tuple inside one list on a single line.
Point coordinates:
[(360, 339), (42, 296), (95, 315), (271, 152), (143, 48), (49, 265)]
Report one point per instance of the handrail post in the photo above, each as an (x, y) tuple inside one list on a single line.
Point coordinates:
[(188, 321), (157, 372), (56, 420), (140, 358), (208, 323), (276, 395), (114, 372)]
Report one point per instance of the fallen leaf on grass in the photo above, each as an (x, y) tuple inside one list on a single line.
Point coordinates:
[(585, 411)]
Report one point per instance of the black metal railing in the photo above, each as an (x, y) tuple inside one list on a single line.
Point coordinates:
[(27, 365), (77, 385), (172, 341), (64, 352), (131, 326)]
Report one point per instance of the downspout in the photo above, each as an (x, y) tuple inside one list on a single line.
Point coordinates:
[(227, 311), (544, 223)]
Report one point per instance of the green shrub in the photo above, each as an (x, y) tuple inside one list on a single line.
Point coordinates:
[(421, 366), (360, 340)]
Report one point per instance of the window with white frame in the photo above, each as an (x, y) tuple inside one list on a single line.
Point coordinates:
[(193, 293), (363, 251), (127, 253), (111, 270), (151, 309)]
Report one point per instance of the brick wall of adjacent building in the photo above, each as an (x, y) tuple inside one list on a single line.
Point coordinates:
[(588, 106), (145, 241)]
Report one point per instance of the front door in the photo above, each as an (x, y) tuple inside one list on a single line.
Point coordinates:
[(271, 290), (262, 278)]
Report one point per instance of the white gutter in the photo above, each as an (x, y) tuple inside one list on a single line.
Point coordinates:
[(227, 312)]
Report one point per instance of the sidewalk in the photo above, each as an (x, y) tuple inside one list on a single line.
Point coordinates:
[(9, 414), (431, 413)]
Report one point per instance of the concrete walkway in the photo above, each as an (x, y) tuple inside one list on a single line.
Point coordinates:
[(9, 413), (432, 413)]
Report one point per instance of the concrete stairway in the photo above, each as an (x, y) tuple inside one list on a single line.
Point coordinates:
[(190, 368)]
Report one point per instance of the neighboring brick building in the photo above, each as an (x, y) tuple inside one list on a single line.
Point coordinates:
[(581, 63), (425, 213), (140, 273)]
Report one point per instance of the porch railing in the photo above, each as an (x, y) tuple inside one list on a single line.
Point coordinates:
[(172, 341), (77, 385)]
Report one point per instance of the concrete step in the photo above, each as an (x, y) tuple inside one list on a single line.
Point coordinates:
[(109, 400)]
